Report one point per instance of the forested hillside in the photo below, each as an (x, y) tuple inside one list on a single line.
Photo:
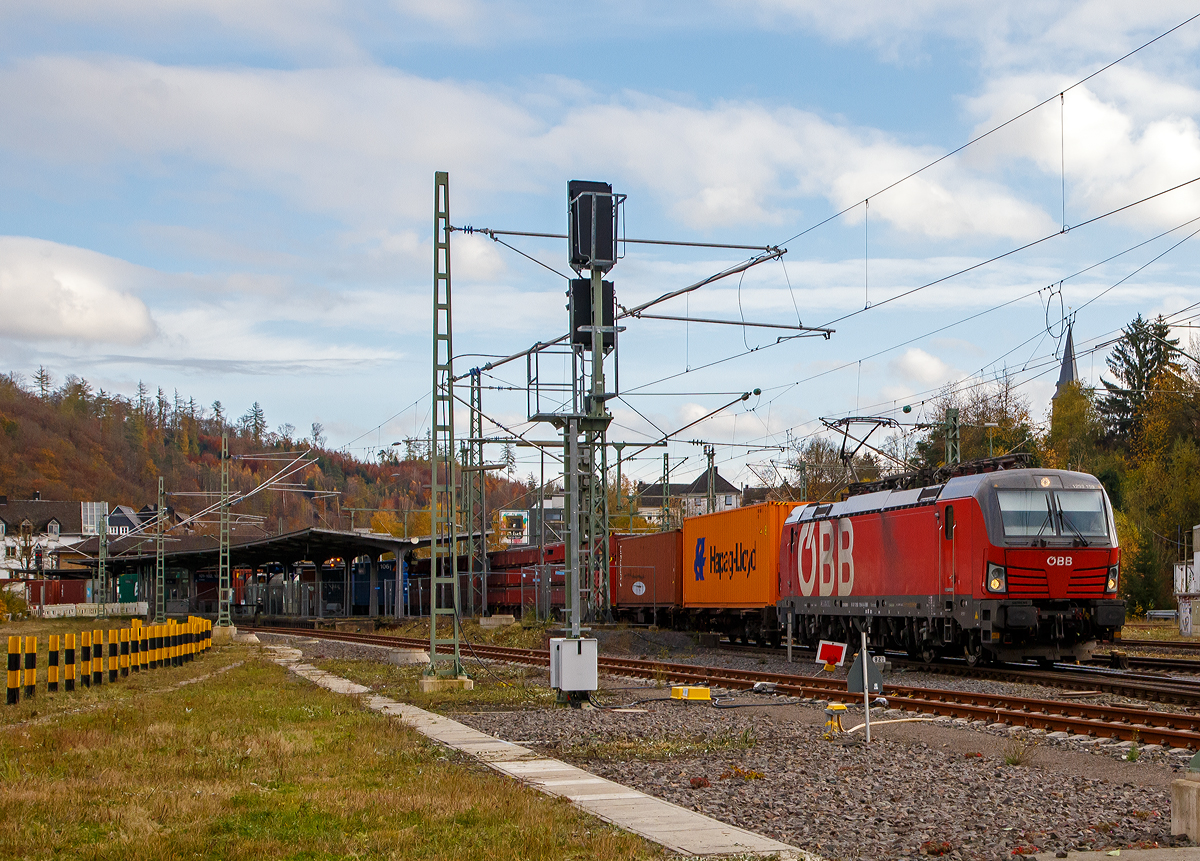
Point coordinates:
[(71, 441)]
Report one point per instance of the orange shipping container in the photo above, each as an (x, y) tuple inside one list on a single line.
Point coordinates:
[(730, 558)]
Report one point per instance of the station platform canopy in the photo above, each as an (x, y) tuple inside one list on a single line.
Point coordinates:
[(196, 552)]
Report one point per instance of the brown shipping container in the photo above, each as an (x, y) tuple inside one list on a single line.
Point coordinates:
[(730, 558), (645, 569)]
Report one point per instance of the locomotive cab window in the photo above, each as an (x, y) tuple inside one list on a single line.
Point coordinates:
[(1081, 513), (949, 522), (1026, 513), (1042, 514)]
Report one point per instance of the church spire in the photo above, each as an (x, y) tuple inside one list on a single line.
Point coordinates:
[(1070, 371)]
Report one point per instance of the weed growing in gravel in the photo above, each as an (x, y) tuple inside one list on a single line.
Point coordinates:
[(1020, 751), (660, 748), (742, 774), (1134, 751)]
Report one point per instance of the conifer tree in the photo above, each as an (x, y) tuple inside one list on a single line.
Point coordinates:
[(1144, 353)]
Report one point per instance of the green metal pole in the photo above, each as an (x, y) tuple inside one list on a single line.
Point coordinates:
[(223, 570), (160, 568)]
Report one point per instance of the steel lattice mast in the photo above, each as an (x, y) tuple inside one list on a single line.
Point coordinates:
[(102, 567), (160, 572), (443, 562), (223, 577), (475, 490)]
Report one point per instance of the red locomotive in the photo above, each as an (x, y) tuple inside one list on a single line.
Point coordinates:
[(1007, 565)]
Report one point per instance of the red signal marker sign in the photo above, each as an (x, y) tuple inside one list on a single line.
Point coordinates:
[(831, 653)]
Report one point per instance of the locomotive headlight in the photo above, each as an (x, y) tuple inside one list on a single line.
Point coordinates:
[(997, 579), (1111, 584)]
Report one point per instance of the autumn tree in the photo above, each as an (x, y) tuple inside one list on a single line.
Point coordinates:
[(1144, 354)]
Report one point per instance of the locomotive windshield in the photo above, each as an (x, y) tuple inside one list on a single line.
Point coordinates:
[(1026, 513), (1081, 513), (1071, 514)]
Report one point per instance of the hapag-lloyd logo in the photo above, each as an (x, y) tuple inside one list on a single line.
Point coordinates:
[(825, 558), (740, 560)]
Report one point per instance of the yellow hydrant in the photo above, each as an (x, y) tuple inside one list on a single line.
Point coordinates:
[(833, 721)]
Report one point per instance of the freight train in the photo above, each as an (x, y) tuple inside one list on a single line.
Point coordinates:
[(1010, 565)]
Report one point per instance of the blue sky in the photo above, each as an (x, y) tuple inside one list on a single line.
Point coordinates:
[(234, 199)]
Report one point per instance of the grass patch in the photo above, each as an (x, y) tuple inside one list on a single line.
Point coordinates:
[(522, 635), (498, 687), (656, 749), (257, 763), (1143, 630)]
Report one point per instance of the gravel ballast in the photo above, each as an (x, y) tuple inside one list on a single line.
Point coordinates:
[(918, 788)]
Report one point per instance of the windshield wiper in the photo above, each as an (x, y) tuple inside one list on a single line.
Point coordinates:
[(1037, 539), (1066, 521)]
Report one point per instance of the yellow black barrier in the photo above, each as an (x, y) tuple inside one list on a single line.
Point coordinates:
[(14, 670), (69, 675), (85, 659), (114, 644), (97, 658), (52, 664), (30, 666)]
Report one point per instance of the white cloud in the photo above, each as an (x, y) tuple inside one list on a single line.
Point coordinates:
[(922, 370), (1112, 149), (362, 143), (1016, 33), (55, 292), (319, 27)]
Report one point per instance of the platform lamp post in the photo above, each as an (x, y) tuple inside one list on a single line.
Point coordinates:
[(991, 426)]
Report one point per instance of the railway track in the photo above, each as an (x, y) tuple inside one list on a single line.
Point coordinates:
[(1098, 721), (1164, 645), (1142, 686)]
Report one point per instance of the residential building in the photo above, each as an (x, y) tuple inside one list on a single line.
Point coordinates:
[(34, 531), (686, 500)]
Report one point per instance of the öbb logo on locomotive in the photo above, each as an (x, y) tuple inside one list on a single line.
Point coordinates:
[(825, 560), (1060, 561)]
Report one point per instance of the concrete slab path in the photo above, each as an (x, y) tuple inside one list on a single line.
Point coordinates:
[(677, 828)]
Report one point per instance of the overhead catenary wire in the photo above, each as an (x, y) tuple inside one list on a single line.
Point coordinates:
[(725, 273), (1013, 251), (786, 387), (991, 131)]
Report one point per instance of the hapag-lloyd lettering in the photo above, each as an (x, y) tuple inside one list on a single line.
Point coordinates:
[(739, 560)]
